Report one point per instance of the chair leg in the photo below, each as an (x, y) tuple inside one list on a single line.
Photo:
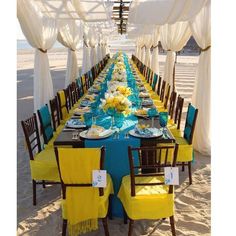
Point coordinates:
[(110, 208), (190, 172), (182, 166), (131, 224), (64, 226), (125, 216), (172, 224), (105, 226), (44, 185), (34, 192)]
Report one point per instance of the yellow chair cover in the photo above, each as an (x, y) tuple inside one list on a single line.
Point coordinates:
[(44, 166), (63, 105), (103, 200), (150, 202), (81, 203)]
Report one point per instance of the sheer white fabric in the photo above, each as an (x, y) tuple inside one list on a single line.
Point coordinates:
[(86, 63), (201, 30), (161, 12), (148, 44), (92, 43), (70, 33), (41, 33), (173, 38), (155, 52)]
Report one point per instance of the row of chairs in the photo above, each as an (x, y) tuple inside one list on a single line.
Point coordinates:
[(42, 157), (166, 101)]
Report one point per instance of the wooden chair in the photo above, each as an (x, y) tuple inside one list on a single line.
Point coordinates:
[(167, 96), (185, 152), (75, 168), (159, 86), (162, 90), (45, 123), (172, 104), (43, 164), (145, 195), (55, 114), (68, 96), (63, 105), (154, 81)]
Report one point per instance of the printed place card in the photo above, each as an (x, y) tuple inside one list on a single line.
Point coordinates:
[(171, 175), (99, 178)]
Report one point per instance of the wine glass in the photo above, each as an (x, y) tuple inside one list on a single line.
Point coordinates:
[(88, 118), (163, 118)]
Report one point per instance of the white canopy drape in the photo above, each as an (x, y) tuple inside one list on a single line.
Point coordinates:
[(92, 43), (69, 35), (148, 44), (173, 38), (155, 52), (201, 30), (41, 32), (86, 64)]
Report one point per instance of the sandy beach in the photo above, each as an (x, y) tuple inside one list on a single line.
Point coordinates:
[(192, 203)]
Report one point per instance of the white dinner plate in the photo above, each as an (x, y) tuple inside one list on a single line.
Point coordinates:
[(83, 134), (156, 133)]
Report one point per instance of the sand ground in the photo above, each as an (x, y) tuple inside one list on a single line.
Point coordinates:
[(192, 203)]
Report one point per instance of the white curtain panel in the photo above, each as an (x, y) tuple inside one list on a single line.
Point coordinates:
[(155, 52), (201, 30), (92, 43), (173, 38), (41, 33), (161, 12), (148, 44), (86, 63), (70, 34)]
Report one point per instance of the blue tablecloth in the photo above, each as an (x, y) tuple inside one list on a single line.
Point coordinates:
[(116, 158)]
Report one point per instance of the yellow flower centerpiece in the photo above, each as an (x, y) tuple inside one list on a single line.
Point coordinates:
[(125, 91), (116, 104)]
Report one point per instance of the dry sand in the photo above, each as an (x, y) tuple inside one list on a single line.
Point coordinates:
[(192, 203)]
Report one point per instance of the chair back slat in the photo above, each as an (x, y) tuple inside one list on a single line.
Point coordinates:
[(178, 111), (172, 104), (159, 86), (167, 95), (168, 152), (163, 86), (55, 112), (31, 132), (63, 103)]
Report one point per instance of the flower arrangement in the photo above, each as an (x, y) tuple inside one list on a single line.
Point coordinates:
[(118, 103), (125, 91)]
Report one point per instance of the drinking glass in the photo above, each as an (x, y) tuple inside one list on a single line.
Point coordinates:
[(88, 118), (163, 118), (119, 119), (152, 112)]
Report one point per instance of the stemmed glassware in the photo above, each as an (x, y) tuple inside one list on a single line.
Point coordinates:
[(119, 119), (152, 112), (163, 119)]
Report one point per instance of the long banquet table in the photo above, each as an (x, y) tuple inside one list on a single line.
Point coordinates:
[(116, 158)]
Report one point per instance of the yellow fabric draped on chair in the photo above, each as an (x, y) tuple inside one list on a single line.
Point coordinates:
[(82, 206)]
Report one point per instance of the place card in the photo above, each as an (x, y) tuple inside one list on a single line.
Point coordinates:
[(99, 178), (171, 175)]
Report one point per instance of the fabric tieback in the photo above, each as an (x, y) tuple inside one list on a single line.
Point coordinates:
[(72, 50), (41, 50), (205, 49), (85, 44)]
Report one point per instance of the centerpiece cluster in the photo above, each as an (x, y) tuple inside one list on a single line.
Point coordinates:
[(116, 99)]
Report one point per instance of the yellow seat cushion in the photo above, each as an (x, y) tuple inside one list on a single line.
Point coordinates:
[(44, 166), (103, 200), (150, 202), (185, 152)]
